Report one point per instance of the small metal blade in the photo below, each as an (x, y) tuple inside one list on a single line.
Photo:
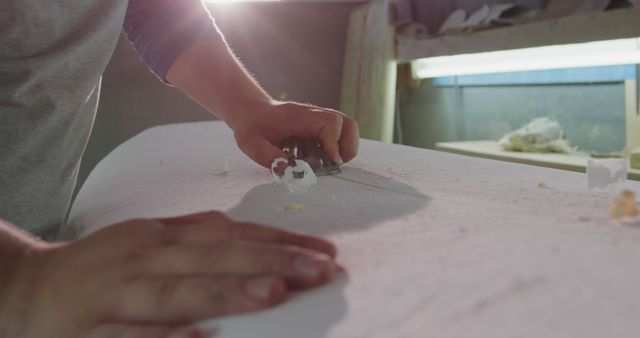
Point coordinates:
[(311, 152)]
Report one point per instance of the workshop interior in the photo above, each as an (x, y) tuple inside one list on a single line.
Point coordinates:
[(494, 194), (461, 74)]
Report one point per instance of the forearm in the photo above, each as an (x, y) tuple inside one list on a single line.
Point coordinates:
[(181, 44), (210, 73)]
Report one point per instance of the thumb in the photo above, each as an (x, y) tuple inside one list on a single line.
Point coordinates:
[(261, 150), (330, 136)]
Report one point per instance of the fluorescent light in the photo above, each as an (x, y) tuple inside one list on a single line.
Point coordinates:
[(592, 54)]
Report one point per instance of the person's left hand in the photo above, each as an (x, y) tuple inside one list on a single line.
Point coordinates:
[(260, 133)]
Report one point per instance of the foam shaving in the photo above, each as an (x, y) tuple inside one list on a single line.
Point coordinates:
[(296, 178)]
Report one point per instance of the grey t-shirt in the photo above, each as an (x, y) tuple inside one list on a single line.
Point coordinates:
[(52, 56)]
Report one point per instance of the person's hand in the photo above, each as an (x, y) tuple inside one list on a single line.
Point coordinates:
[(153, 278), (260, 133)]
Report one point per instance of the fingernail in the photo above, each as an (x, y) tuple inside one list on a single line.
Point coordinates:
[(259, 288), (339, 160), (310, 267)]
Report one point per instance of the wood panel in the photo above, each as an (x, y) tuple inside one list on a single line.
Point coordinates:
[(632, 119), (368, 89), (599, 26)]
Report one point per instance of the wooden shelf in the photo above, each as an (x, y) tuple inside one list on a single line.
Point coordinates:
[(491, 150), (616, 24)]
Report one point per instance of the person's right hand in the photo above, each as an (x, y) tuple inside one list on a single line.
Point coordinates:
[(153, 278)]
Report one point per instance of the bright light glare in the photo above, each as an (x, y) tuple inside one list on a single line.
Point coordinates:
[(233, 1), (592, 54)]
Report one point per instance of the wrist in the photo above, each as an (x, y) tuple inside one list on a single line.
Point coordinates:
[(223, 87), (15, 245), (15, 242), (243, 114)]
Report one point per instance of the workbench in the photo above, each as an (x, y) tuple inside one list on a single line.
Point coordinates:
[(493, 150), (434, 244)]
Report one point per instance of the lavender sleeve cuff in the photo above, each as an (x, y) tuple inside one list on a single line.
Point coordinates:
[(162, 29)]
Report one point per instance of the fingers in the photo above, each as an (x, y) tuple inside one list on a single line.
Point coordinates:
[(210, 216), (298, 267), (259, 149), (181, 301), (177, 271), (209, 230), (349, 139), (330, 134), (121, 330), (338, 133), (133, 233), (209, 227)]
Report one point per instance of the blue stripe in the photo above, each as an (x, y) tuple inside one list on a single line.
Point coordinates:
[(606, 74)]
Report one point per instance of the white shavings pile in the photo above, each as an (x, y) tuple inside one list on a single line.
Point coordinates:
[(542, 135), (295, 179)]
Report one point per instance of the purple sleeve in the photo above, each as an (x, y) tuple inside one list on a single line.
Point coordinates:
[(162, 29)]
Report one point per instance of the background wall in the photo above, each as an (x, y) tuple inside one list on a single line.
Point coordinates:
[(295, 50)]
